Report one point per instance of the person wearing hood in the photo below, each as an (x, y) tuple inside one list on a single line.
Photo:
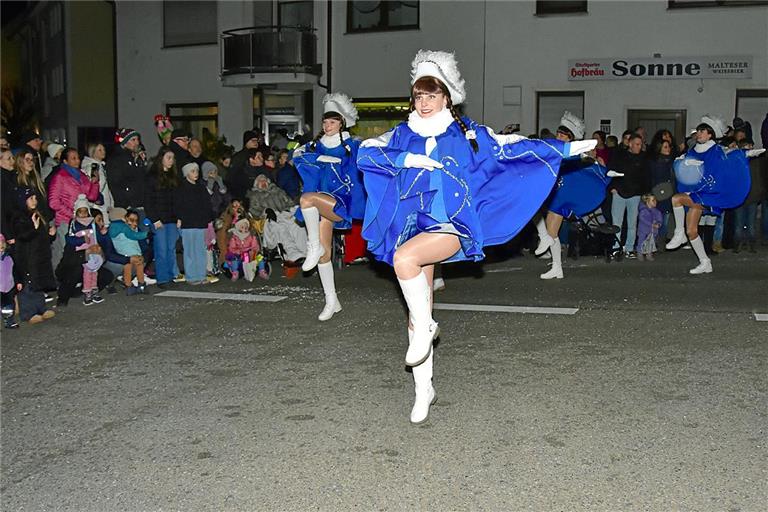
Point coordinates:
[(217, 190), (92, 164), (33, 269), (709, 180), (266, 194), (66, 185), (52, 161), (333, 190), (441, 187)]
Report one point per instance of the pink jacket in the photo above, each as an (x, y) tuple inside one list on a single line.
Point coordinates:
[(238, 247), (64, 190)]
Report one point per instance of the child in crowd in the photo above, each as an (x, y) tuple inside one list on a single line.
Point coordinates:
[(8, 286), (224, 224), (648, 223), (125, 235), (193, 210), (33, 269), (82, 237), (243, 253)]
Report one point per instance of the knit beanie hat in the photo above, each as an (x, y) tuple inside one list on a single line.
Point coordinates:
[(29, 136), (81, 202), (24, 193), (117, 213), (189, 168), (208, 167), (248, 135), (124, 135), (54, 148)]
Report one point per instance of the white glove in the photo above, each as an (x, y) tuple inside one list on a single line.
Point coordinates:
[(421, 162), (329, 159), (614, 174), (751, 153), (582, 146)]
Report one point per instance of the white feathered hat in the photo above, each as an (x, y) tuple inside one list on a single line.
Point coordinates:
[(443, 66), (717, 124), (341, 103), (574, 124)]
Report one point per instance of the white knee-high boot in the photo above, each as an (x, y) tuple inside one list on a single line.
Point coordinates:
[(315, 250), (556, 272), (422, 383), (325, 270), (705, 265), (678, 238), (417, 295), (545, 240)]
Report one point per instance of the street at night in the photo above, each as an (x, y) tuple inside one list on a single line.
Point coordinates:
[(651, 396)]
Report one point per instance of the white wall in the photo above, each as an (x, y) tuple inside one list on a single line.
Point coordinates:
[(150, 76), (532, 52)]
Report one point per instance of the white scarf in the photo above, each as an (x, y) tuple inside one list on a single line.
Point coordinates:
[(702, 148), (332, 141), (430, 126)]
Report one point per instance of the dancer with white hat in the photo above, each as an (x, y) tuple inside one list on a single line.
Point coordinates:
[(579, 190), (333, 190), (440, 187), (710, 178)]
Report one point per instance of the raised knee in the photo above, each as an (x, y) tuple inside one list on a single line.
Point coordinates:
[(305, 201)]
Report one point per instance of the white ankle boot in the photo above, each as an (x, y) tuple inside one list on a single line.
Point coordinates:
[(330, 309), (332, 306), (678, 239), (315, 250), (545, 240), (417, 295), (425, 391), (704, 267), (556, 272)]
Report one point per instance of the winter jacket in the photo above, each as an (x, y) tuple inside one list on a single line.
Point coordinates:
[(66, 185), (126, 179), (107, 200), (288, 180), (124, 239), (182, 157), (238, 247), (8, 206), (661, 171), (33, 265), (273, 197), (158, 202), (193, 205), (636, 180)]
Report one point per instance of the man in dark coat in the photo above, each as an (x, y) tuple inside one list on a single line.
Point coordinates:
[(126, 172), (31, 141), (180, 147)]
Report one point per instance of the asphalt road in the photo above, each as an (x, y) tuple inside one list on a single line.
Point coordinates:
[(653, 396)]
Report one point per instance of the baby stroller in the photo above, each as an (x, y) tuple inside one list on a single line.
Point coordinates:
[(591, 235)]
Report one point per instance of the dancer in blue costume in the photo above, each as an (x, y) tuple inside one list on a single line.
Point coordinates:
[(333, 191), (440, 187), (710, 178), (580, 189)]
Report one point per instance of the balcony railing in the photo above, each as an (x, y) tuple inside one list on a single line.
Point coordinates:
[(269, 49)]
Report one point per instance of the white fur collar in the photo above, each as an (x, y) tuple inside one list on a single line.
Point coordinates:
[(332, 141), (702, 148), (431, 126)]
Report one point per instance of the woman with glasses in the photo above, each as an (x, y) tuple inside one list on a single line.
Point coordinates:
[(441, 187)]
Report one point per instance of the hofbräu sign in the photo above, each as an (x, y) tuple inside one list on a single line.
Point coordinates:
[(665, 68)]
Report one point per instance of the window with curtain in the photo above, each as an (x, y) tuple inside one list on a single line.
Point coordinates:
[(372, 16)]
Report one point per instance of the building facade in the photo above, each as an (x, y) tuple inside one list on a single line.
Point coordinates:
[(619, 64)]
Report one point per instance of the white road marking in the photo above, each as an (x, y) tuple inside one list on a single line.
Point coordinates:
[(761, 317), (506, 309), (222, 296), (508, 269)]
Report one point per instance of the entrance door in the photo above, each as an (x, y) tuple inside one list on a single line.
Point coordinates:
[(655, 120), (290, 123)]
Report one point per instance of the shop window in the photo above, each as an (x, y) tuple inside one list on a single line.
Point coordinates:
[(372, 16), (189, 23)]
